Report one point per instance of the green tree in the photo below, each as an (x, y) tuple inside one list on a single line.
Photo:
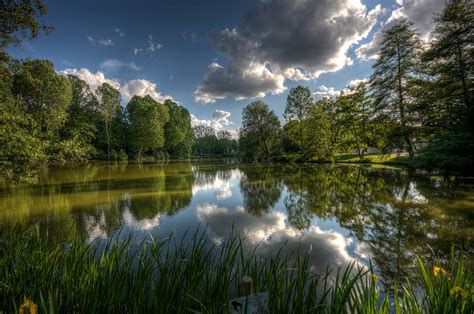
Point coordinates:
[(179, 136), (298, 104), (260, 133), (226, 145), (332, 117), (108, 107), (362, 127), (446, 93), (450, 61), (44, 94), (20, 19), (393, 75), (147, 120), (80, 124), (205, 139), (318, 133), (46, 97), (22, 152)]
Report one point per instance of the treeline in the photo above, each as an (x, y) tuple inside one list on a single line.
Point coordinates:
[(210, 142), (47, 118), (419, 98)]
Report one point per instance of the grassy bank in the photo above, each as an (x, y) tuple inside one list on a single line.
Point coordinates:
[(149, 276), (388, 159)]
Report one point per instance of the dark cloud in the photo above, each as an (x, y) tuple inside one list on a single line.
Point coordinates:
[(284, 39)]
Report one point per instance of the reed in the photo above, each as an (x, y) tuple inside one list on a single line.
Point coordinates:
[(170, 276)]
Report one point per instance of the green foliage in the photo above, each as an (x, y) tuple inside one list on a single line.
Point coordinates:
[(22, 152), (417, 97), (175, 277), (259, 137), (179, 135), (20, 18), (451, 152), (81, 122), (108, 109), (298, 104), (392, 78), (363, 128), (147, 120), (318, 133), (449, 60), (33, 115), (45, 95)]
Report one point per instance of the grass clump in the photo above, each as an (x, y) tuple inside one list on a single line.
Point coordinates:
[(167, 276)]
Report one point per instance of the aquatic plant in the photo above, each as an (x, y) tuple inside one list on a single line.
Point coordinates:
[(174, 276)]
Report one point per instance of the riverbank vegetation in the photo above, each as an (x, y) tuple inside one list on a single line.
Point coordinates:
[(419, 99), (169, 275)]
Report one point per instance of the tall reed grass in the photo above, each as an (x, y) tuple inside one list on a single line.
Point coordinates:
[(177, 277)]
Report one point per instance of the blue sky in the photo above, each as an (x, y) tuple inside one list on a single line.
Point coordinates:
[(215, 56)]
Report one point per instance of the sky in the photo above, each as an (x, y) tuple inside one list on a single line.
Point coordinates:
[(214, 57)]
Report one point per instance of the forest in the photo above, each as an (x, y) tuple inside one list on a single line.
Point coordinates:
[(418, 100)]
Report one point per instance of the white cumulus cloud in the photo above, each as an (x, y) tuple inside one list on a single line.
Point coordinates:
[(94, 80), (282, 39), (419, 12), (142, 88), (139, 87), (324, 91), (220, 120)]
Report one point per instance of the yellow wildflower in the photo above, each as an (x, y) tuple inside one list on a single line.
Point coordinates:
[(437, 270), (375, 278), (456, 290), (28, 306)]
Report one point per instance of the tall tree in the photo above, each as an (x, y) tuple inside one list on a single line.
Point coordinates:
[(22, 153), (108, 107), (147, 120), (362, 128), (450, 61), (80, 124), (332, 117), (446, 93), (393, 73), (179, 136), (260, 132), (298, 102), (318, 133), (44, 94)]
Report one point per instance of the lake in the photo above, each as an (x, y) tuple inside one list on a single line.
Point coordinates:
[(337, 213)]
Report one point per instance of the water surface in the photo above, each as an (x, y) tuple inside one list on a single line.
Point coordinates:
[(338, 213)]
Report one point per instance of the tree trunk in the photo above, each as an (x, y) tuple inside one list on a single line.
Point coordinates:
[(107, 137), (301, 136), (462, 75)]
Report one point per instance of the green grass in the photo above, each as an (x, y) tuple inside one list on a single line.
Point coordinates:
[(126, 276), (393, 159)]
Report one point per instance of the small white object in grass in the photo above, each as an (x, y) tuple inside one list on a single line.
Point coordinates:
[(253, 304)]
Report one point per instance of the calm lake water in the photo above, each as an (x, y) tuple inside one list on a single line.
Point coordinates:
[(339, 213)]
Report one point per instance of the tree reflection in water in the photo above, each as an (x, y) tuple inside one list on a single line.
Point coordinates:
[(383, 213)]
